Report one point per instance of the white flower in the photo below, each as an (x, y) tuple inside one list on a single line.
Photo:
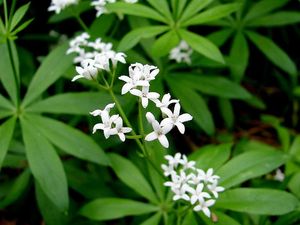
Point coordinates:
[(145, 95), (58, 5), (175, 119), (215, 189), (198, 194), (187, 164), (174, 161), (165, 102), (279, 176), (106, 125), (203, 206), (120, 129), (78, 42), (131, 1), (168, 170), (100, 6), (107, 109), (181, 53), (89, 70), (180, 193), (208, 177), (144, 72), (159, 133)]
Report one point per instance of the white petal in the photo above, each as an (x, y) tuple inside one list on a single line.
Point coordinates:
[(98, 126), (177, 109), (126, 129), (77, 77), (180, 127), (163, 140), (126, 87), (153, 95), (206, 211), (136, 92), (144, 102), (121, 136), (150, 117), (96, 112), (185, 117), (150, 137)]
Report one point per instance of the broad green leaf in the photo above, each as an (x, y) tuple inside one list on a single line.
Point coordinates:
[(180, 7), (273, 52), (153, 220), (220, 37), (6, 134), (212, 14), (7, 76), (226, 111), (193, 8), (133, 37), (288, 219), (164, 44), (129, 174), (211, 156), (249, 165), (212, 85), (190, 219), (281, 18), (189, 99), (162, 7), (70, 140), (113, 208), (4, 103), (71, 103), (263, 7), (257, 201), (135, 10), (55, 64), (18, 15), (105, 21), (45, 165), (222, 219), (238, 57), (202, 45), (18, 188), (294, 150), (294, 184), (49, 211)]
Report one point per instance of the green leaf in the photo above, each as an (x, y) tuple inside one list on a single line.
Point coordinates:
[(18, 15), (4, 103), (258, 201), (249, 165), (220, 37), (281, 18), (193, 7), (274, 53), (45, 165), (18, 188), (6, 134), (238, 57), (188, 99), (212, 14), (294, 150), (153, 220), (202, 45), (212, 85), (70, 140), (21, 27), (294, 184), (211, 156), (163, 8), (227, 112), (112, 208), (56, 63), (129, 174), (263, 7), (133, 37), (223, 219), (71, 103), (190, 219), (164, 44), (7, 74), (135, 10), (179, 7)]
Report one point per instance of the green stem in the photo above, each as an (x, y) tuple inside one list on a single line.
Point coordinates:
[(12, 10), (82, 24), (113, 74), (5, 14), (134, 136)]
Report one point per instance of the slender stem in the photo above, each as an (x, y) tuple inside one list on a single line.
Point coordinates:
[(134, 136), (82, 24), (113, 74), (12, 9), (5, 14)]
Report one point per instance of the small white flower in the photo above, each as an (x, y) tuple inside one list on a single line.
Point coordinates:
[(106, 125), (174, 161), (59, 5), (215, 189), (181, 53), (207, 177), (168, 170), (198, 194), (180, 193), (203, 206), (145, 95), (107, 109), (187, 164), (279, 176), (159, 133), (89, 70), (120, 129), (176, 119), (131, 1), (165, 102)]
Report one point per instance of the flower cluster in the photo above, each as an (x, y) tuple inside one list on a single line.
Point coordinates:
[(59, 5), (181, 53), (100, 5), (111, 125), (93, 56), (191, 184), (138, 83)]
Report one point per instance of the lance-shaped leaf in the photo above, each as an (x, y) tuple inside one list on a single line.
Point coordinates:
[(193, 7), (164, 44), (4, 103), (212, 14), (18, 15), (56, 63), (163, 8), (133, 37), (6, 133), (258, 201), (45, 165), (202, 45), (70, 140), (131, 176), (153, 220), (249, 165), (113, 208), (135, 10), (223, 219), (273, 52)]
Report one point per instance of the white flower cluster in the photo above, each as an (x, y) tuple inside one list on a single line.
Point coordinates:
[(93, 56), (138, 84), (111, 125), (100, 5), (59, 5), (191, 184), (181, 53)]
